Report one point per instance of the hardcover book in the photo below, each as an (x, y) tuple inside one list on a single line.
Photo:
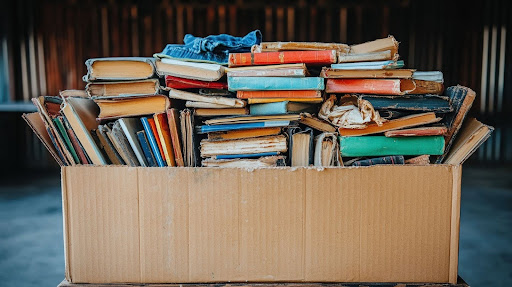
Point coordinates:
[(381, 146), (97, 90), (280, 94), (119, 69), (279, 108), (154, 141), (274, 83), (189, 70), (131, 106), (188, 96), (383, 86), (244, 146), (184, 83), (323, 57), (144, 144), (423, 103)]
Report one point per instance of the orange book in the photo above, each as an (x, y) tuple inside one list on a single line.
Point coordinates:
[(323, 57), (155, 133), (174, 123), (164, 133), (383, 86), (400, 123), (278, 94)]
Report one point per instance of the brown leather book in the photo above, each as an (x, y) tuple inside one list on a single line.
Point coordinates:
[(383, 86), (419, 131), (173, 118), (162, 126)]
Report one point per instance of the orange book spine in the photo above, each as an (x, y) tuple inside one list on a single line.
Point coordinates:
[(164, 133), (278, 94), (324, 57), (155, 133), (364, 86), (173, 118)]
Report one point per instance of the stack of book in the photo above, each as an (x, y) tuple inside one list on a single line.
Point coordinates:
[(283, 103)]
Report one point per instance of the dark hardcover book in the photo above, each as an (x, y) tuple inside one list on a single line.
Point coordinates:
[(419, 103), (143, 141), (392, 159), (63, 133), (76, 144)]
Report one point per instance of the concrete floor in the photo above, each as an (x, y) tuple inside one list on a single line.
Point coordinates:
[(31, 252)]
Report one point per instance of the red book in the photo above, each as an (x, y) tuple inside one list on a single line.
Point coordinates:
[(173, 118), (278, 94), (182, 83), (324, 57), (155, 133), (383, 86)]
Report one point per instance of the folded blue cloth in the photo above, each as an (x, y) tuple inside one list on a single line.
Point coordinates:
[(211, 49)]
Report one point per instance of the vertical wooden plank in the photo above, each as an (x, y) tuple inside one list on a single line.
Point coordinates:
[(280, 23), (233, 15), (268, 24), (222, 19), (290, 24), (180, 23), (135, 30), (343, 25)]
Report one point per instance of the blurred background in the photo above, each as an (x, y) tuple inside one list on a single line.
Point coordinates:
[(44, 44)]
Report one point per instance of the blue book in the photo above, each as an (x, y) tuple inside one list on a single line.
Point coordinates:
[(152, 142), (275, 83), (252, 155), (279, 108), (244, 126), (146, 150), (375, 65)]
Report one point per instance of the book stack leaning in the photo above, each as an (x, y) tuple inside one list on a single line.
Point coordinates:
[(259, 104)]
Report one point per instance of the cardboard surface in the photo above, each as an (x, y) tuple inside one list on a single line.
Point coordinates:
[(365, 224)]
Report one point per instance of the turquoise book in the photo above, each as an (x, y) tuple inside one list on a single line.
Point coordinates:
[(381, 146), (278, 108), (275, 83)]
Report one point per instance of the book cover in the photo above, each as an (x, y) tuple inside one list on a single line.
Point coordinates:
[(366, 57), (188, 137), (231, 127), (130, 127), (366, 74), (97, 90), (416, 103), (374, 65), (316, 123), (419, 131), (102, 133), (281, 108), (382, 146), (244, 146), (153, 140), (247, 133), (282, 72), (164, 134), (119, 69), (383, 86), (173, 118), (327, 152), (300, 146), (279, 94), (188, 96), (183, 83), (433, 76), (391, 159), (84, 159), (63, 133), (324, 57), (144, 144), (252, 119), (190, 70), (252, 101), (112, 108), (275, 83), (384, 44), (299, 46), (35, 122), (221, 112), (266, 161), (472, 135), (122, 145), (253, 155)]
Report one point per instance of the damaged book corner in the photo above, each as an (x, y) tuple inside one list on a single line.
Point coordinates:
[(260, 161)]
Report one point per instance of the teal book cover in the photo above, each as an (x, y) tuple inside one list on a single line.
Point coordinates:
[(279, 108), (275, 83), (381, 145)]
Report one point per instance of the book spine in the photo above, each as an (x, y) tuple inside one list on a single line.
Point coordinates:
[(430, 104), (62, 131), (76, 145), (274, 83), (269, 73), (382, 146), (279, 94), (141, 135), (269, 109), (182, 83), (231, 127), (254, 155), (153, 141), (363, 86), (162, 128), (57, 147), (421, 131), (393, 159), (324, 57), (173, 119)]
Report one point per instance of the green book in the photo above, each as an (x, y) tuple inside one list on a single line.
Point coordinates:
[(64, 135), (381, 145)]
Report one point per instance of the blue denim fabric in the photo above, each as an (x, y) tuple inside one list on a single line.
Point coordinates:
[(211, 49)]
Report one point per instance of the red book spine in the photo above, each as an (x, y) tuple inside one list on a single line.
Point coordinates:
[(364, 86), (323, 57), (155, 134), (278, 94), (182, 83)]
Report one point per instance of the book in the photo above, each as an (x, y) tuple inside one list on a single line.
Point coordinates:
[(367, 57), (221, 112), (188, 96), (203, 105), (384, 44), (244, 146), (472, 135), (279, 94), (299, 46), (323, 57), (252, 101), (153, 141), (162, 127), (84, 159), (184, 83), (461, 99), (367, 74), (327, 152), (97, 90), (390, 159), (252, 155), (173, 119), (119, 69), (63, 133), (278, 108), (419, 131), (35, 122), (381, 146), (268, 161), (419, 160), (122, 145), (276, 72), (188, 139), (241, 126), (247, 133), (131, 106), (106, 144), (275, 83), (267, 67), (214, 92), (73, 93), (424, 103), (376, 65), (130, 127), (433, 76), (144, 144), (316, 123), (251, 119), (383, 86), (189, 70), (400, 123), (81, 115), (154, 131), (300, 146)]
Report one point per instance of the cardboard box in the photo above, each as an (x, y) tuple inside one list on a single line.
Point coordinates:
[(365, 224)]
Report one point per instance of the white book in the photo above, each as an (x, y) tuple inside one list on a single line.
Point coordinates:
[(433, 76)]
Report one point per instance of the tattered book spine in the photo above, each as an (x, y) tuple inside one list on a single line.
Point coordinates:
[(324, 57), (393, 159), (420, 103), (182, 83)]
